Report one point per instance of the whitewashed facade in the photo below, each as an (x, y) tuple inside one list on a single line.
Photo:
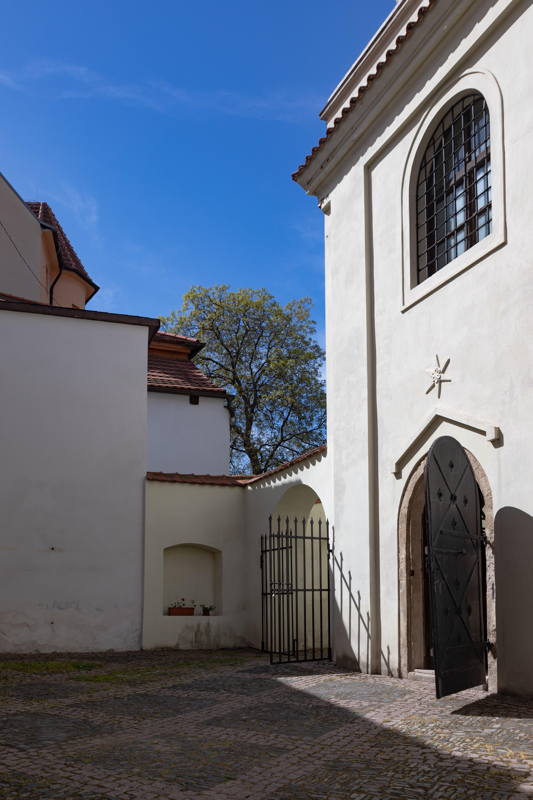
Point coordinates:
[(412, 356), (72, 468), (188, 437), (385, 328)]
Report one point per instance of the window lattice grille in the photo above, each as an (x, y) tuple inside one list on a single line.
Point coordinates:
[(454, 209)]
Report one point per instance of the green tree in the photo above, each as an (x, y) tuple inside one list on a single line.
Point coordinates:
[(266, 356)]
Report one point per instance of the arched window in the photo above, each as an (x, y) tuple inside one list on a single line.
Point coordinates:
[(453, 198)]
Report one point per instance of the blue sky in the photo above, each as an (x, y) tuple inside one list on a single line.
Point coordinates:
[(164, 136)]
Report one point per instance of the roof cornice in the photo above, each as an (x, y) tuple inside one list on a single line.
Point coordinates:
[(384, 39), (29, 307), (215, 392), (363, 74), (365, 108)]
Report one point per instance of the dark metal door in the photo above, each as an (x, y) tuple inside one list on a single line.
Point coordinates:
[(455, 562), (295, 590)]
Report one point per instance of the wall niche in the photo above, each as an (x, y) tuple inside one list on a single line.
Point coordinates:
[(193, 572)]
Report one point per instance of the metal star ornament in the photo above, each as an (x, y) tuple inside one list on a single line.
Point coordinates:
[(437, 373)]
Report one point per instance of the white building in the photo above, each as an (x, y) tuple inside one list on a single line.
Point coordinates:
[(188, 417), (82, 416), (423, 177)]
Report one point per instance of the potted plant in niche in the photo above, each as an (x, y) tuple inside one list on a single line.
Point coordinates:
[(206, 610), (181, 608)]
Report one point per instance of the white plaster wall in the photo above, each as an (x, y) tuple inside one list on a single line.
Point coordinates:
[(481, 320), (70, 291), (186, 438), (209, 516), (22, 257), (72, 463)]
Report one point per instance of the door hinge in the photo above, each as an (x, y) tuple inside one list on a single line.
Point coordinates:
[(490, 647), (486, 541)]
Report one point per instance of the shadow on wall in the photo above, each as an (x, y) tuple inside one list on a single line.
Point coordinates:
[(513, 545), (299, 512), (351, 625)]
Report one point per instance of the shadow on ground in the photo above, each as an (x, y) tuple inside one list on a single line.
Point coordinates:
[(241, 728), (498, 706)]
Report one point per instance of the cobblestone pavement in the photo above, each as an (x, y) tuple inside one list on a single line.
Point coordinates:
[(227, 726)]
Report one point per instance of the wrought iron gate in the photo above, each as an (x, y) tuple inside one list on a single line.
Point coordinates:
[(295, 588), (456, 568)]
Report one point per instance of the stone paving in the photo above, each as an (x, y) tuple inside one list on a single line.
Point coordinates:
[(228, 726)]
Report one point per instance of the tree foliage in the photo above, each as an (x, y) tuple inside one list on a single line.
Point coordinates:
[(265, 355)]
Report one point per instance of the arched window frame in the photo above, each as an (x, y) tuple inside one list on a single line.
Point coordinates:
[(485, 84)]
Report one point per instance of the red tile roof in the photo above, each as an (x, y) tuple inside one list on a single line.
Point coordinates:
[(364, 87), (194, 345), (179, 377), (171, 337), (68, 257), (205, 480), (232, 480), (314, 451)]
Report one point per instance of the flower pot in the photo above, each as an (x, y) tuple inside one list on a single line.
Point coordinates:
[(181, 611), (206, 613)]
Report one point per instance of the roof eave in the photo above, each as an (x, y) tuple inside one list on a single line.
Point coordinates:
[(390, 27), (85, 278), (193, 346), (299, 176), (196, 349), (220, 393), (88, 281), (29, 307)]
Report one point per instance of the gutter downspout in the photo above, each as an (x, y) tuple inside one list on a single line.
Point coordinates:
[(51, 228), (51, 291)]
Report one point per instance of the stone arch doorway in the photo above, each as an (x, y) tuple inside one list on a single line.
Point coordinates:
[(414, 622)]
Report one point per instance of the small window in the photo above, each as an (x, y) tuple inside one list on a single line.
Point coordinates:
[(453, 199), (194, 399)]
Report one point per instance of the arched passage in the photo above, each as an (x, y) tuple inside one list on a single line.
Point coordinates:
[(296, 579), (300, 502), (413, 601)]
